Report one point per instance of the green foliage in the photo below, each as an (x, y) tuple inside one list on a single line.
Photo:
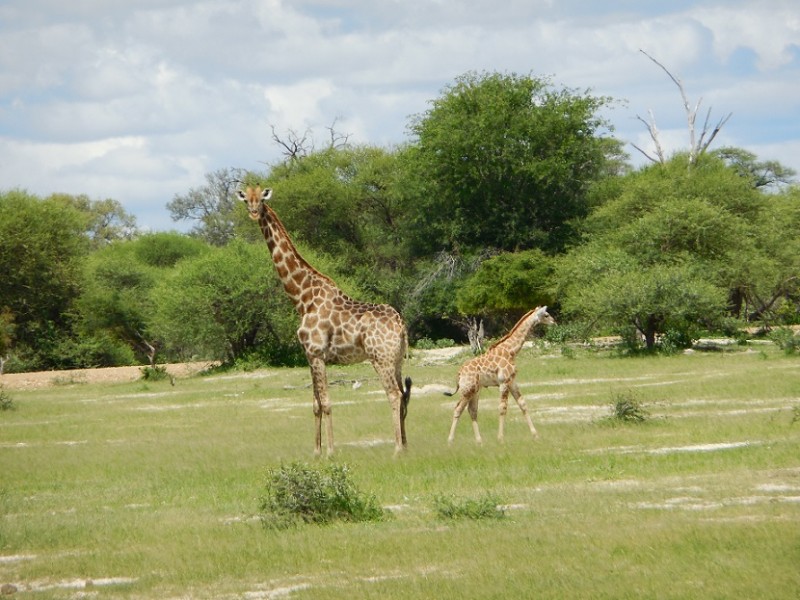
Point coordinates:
[(224, 305), (504, 162), (508, 282), (451, 508), (156, 373), (647, 300), (429, 344), (6, 401), (786, 339), (118, 298), (212, 207), (298, 493), (626, 408), (43, 244)]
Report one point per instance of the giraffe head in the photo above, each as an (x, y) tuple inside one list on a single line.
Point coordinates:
[(541, 316), (254, 199)]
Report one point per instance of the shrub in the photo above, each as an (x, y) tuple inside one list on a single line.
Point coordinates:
[(6, 402), (157, 373), (298, 493), (485, 507), (626, 408), (785, 339)]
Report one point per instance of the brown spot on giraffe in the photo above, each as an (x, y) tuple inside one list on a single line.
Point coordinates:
[(333, 327), (496, 368)]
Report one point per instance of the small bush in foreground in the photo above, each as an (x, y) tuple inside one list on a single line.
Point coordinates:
[(157, 373), (485, 507), (626, 408), (6, 401), (298, 493)]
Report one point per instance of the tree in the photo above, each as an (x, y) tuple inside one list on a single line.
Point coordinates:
[(508, 282), (42, 244), (226, 304), (106, 220), (6, 336), (210, 206), (768, 174), (673, 250), (117, 301), (505, 162), (697, 145), (344, 202)]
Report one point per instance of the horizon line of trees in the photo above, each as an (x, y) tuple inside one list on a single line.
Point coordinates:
[(511, 193)]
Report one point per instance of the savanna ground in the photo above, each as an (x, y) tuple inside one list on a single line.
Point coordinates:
[(139, 489)]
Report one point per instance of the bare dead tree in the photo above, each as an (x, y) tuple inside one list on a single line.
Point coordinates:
[(337, 140), (295, 146), (475, 334), (697, 145)]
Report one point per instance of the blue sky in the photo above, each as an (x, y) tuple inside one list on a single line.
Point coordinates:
[(138, 100)]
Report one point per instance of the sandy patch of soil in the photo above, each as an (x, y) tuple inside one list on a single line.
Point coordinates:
[(41, 379)]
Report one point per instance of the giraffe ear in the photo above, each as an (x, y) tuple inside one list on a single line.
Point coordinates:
[(241, 195), (266, 194)]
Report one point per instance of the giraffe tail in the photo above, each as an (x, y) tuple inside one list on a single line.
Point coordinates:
[(406, 396), (453, 393)]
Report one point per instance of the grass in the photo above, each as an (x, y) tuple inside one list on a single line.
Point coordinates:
[(151, 490)]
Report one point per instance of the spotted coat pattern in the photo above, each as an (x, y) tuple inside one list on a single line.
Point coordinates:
[(334, 328)]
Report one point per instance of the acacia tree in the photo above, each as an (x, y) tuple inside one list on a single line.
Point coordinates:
[(43, 244), (116, 303), (211, 206), (670, 252), (505, 162), (226, 304)]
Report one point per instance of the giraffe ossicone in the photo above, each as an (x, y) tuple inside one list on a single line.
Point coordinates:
[(334, 328), (496, 367)]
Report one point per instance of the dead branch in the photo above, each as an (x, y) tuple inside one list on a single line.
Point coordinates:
[(697, 146), (295, 146)]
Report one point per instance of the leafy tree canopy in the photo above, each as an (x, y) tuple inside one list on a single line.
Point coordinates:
[(505, 162)]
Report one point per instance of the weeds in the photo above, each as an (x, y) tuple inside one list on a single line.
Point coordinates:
[(157, 373), (452, 508), (626, 408), (786, 340), (298, 493), (6, 401)]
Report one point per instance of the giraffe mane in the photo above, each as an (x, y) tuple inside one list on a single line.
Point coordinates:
[(279, 225), (514, 328)]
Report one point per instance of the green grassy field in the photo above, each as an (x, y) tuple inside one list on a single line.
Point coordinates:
[(147, 490)]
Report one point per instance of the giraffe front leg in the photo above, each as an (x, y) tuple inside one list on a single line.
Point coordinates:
[(524, 408), (322, 405)]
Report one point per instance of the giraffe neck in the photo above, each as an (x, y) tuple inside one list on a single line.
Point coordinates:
[(298, 277), (513, 340)]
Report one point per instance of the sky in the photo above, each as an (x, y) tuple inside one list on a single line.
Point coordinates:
[(137, 100)]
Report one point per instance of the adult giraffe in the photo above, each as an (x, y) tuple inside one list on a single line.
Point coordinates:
[(334, 329), (496, 367)]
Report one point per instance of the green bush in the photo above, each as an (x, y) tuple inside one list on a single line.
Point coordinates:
[(157, 373), (785, 339), (626, 408), (451, 508), (298, 493), (6, 402)]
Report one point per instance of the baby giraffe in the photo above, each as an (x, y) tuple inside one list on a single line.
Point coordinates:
[(496, 367)]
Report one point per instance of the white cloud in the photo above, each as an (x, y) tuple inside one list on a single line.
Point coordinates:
[(137, 101)]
